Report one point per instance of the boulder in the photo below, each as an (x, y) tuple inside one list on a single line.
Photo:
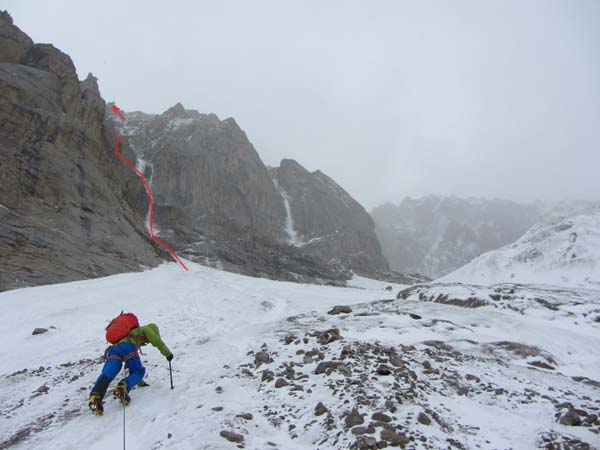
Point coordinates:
[(365, 443), (268, 375), (340, 310), (393, 438), (281, 383), (262, 358), (329, 336), (383, 369), (325, 367), (423, 418), (381, 417), (320, 409), (353, 418), (396, 361), (362, 430), (232, 436), (570, 418)]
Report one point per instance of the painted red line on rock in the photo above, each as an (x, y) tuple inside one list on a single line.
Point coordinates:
[(118, 112)]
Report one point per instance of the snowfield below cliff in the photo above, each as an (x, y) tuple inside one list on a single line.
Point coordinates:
[(263, 363)]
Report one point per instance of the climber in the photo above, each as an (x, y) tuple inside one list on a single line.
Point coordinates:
[(126, 336)]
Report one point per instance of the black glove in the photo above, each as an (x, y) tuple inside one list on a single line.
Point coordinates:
[(170, 357)]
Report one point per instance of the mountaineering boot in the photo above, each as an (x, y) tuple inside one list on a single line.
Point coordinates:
[(120, 392), (95, 403), (142, 383), (97, 394)]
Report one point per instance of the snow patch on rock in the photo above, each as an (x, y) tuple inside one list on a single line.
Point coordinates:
[(293, 238)]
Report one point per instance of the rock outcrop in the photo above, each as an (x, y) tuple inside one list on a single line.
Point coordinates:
[(69, 209), (15, 43), (325, 221)]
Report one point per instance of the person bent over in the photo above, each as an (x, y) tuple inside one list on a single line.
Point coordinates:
[(125, 351)]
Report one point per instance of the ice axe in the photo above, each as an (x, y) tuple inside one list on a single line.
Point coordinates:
[(171, 374)]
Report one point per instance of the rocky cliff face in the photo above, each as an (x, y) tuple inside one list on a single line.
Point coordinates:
[(325, 221), (208, 168), (69, 209), (436, 235), (215, 201)]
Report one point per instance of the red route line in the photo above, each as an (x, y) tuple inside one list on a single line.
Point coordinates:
[(118, 112)]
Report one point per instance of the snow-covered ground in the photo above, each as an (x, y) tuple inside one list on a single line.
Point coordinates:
[(490, 377), (209, 318), (564, 251)]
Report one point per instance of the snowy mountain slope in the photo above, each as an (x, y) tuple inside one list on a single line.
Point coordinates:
[(435, 235), (437, 374), (564, 251)]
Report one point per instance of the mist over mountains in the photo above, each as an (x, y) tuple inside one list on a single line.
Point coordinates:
[(435, 235), (564, 250)]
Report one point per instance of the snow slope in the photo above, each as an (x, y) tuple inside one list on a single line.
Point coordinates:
[(447, 361), (208, 318), (565, 251)]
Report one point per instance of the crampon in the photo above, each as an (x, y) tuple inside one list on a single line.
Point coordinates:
[(95, 404), (120, 392)]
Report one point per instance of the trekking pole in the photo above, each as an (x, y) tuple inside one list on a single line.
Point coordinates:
[(123, 426), (171, 374)]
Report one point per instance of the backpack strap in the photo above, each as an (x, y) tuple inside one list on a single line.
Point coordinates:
[(137, 337)]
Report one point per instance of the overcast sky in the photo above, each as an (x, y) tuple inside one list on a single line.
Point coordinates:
[(390, 98)]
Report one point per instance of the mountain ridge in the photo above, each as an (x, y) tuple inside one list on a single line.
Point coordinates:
[(563, 251), (220, 156), (435, 234)]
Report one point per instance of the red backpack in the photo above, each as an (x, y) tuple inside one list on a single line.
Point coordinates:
[(120, 327)]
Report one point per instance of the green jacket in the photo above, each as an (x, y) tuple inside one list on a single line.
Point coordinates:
[(147, 334)]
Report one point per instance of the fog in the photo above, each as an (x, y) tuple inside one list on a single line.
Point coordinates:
[(389, 98)]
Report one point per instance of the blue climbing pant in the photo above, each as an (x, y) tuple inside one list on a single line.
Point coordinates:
[(117, 355)]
